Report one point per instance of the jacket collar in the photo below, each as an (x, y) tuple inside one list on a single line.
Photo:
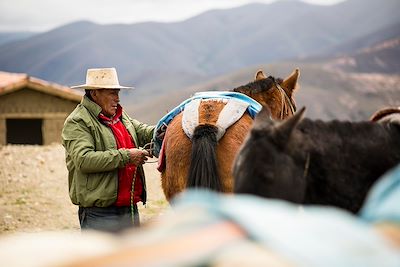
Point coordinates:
[(91, 106)]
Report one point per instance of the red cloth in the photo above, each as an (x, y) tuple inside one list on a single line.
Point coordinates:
[(125, 175), (161, 158)]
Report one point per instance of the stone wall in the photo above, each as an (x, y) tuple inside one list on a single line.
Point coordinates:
[(31, 104)]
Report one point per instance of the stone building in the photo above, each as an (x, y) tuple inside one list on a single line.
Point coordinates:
[(33, 111)]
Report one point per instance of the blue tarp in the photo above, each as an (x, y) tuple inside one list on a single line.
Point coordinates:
[(383, 203), (311, 235)]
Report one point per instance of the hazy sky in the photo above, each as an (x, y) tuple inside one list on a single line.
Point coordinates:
[(42, 15)]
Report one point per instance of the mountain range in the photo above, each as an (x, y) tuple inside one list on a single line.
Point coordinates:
[(337, 49)]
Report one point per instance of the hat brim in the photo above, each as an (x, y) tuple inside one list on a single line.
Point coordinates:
[(92, 87)]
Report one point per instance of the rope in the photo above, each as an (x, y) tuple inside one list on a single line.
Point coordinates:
[(134, 209), (288, 100), (282, 102), (150, 148), (284, 97)]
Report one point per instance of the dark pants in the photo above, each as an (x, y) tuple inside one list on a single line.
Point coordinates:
[(110, 219)]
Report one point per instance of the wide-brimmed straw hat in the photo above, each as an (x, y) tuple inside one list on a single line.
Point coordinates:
[(105, 78)]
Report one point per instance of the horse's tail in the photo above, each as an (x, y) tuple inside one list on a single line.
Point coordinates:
[(203, 170)]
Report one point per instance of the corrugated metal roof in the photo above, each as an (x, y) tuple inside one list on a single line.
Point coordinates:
[(10, 82)]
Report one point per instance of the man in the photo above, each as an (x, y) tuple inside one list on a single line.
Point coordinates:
[(103, 155)]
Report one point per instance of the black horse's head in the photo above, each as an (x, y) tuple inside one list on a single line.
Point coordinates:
[(264, 166)]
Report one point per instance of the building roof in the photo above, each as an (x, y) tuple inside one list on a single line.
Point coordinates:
[(11, 82)]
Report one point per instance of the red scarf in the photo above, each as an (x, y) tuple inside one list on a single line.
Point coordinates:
[(125, 174)]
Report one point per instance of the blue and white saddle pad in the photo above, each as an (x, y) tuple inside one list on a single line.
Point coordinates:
[(312, 236), (253, 108)]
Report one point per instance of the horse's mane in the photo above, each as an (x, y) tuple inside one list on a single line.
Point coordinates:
[(258, 86)]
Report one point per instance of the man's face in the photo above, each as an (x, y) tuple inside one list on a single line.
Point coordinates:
[(107, 99)]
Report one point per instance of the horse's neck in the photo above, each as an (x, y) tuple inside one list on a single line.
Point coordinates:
[(335, 131), (350, 148), (345, 159), (338, 145)]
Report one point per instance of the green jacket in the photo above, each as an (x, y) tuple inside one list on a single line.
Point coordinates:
[(92, 156)]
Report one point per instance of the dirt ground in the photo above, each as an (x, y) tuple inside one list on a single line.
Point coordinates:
[(34, 190)]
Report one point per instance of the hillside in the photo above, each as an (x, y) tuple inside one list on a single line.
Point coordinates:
[(200, 48), (221, 49), (362, 78), (356, 44), (382, 57), (327, 91), (8, 37)]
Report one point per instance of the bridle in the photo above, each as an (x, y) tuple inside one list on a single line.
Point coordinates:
[(284, 96)]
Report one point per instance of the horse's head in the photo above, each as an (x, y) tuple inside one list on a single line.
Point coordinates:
[(273, 93), (264, 165)]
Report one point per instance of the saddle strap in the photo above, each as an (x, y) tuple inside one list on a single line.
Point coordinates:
[(232, 112)]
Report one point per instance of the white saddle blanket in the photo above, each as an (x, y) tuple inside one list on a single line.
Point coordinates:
[(232, 112)]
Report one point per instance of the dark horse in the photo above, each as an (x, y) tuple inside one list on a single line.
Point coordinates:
[(202, 160), (315, 162)]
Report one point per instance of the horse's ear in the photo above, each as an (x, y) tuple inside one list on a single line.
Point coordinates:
[(263, 119), (284, 130), (291, 81), (259, 75)]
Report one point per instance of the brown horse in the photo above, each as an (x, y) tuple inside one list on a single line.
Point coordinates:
[(203, 161)]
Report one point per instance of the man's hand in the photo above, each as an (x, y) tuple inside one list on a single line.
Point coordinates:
[(138, 156)]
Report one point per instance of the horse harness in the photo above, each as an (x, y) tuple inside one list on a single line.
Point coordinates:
[(284, 96)]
